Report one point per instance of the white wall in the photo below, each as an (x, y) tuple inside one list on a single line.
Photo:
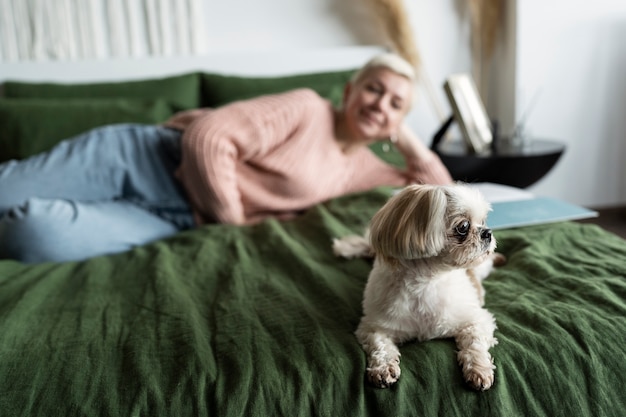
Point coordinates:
[(573, 52), (571, 55), (244, 25), (279, 27)]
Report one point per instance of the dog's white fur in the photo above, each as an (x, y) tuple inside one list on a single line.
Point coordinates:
[(432, 250)]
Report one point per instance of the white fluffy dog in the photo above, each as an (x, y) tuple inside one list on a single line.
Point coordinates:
[(432, 250)]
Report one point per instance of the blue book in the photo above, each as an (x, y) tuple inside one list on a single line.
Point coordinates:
[(533, 211)]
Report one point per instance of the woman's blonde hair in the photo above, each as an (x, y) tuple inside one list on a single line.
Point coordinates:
[(389, 60)]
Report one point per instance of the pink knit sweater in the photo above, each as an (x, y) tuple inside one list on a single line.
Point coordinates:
[(270, 157)]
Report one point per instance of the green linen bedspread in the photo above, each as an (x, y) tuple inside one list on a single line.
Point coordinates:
[(259, 321)]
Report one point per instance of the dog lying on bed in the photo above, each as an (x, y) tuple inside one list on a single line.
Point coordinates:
[(432, 250)]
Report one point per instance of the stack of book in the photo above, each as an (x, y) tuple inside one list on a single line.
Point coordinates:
[(515, 207)]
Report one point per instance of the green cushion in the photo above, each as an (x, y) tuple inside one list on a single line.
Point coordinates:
[(30, 126), (220, 89), (388, 153), (181, 91)]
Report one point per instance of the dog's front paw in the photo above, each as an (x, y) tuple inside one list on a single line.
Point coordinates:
[(385, 375), (480, 380), (478, 370)]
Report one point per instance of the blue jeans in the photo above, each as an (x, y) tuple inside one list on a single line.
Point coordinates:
[(102, 192)]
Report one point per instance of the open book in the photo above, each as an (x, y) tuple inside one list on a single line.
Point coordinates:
[(515, 207)]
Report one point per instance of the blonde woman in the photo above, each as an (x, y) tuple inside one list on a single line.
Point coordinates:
[(120, 186)]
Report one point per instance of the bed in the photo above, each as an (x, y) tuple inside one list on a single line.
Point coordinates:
[(259, 320)]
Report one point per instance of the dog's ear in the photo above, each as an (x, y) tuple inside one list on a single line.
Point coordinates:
[(412, 224)]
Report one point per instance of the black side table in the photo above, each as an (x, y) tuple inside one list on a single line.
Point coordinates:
[(518, 166)]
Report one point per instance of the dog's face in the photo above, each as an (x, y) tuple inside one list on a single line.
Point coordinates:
[(442, 223)]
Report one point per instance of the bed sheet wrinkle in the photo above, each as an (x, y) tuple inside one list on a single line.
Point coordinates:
[(259, 320), (568, 327), (163, 351), (517, 394), (163, 357), (290, 356), (594, 244)]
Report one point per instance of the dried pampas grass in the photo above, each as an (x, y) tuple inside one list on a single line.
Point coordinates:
[(486, 19), (486, 16), (392, 16)]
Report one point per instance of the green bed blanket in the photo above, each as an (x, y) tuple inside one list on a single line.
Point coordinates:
[(259, 321)]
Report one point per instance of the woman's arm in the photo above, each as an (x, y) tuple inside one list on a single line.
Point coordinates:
[(423, 165), (216, 144)]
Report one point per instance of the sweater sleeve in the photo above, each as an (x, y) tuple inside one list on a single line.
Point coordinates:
[(430, 171), (215, 143)]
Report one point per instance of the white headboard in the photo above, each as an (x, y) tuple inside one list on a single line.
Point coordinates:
[(256, 63)]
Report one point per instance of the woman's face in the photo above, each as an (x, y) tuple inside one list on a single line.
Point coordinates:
[(374, 107)]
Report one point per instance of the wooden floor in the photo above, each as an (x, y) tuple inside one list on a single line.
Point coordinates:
[(612, 219)]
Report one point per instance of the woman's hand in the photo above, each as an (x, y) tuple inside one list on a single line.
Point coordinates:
[(423, 165)]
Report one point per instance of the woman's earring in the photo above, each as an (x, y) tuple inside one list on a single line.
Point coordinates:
[(393, 139)]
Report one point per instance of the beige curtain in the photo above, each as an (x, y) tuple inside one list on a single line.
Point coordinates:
[(99, 29)]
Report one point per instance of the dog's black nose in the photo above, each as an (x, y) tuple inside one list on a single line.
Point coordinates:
[(485, 234)]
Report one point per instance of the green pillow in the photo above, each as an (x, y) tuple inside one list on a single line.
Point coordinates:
[(220, 89), (388, 153), (30, 126), (181, 91)]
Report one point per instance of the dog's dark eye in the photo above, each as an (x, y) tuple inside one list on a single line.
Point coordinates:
[(462, 228)]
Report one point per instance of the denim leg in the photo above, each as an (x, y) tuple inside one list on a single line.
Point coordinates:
[(101, 192), (125, 161), (42, 230)]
